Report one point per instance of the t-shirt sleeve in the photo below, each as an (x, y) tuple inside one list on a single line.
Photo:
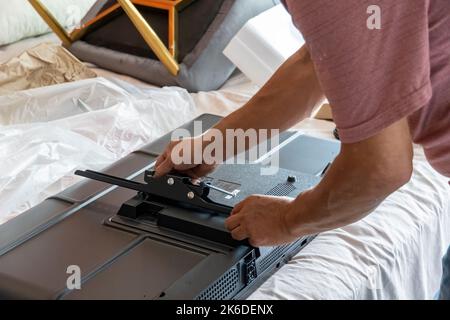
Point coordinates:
[(371, 77)]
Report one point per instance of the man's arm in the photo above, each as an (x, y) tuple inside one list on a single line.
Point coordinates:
[(373, 82), (360, 178), (287, 98)]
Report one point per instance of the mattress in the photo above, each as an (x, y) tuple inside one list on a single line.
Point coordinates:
[(394, 253)]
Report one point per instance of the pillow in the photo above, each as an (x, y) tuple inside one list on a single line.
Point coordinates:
[(18, 19), (205, 68)]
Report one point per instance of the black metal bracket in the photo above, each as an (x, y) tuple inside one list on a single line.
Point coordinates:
[(172, 189)]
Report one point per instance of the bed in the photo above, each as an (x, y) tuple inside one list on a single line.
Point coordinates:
[(395, 253)]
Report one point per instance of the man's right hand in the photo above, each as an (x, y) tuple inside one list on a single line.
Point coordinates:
[(165, 164)]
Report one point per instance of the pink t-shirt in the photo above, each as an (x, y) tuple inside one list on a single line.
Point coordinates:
[(375, 77)]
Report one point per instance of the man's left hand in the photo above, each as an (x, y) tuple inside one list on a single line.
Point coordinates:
[(261, 220)]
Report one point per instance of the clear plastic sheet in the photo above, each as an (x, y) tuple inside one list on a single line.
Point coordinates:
[(48, 133)]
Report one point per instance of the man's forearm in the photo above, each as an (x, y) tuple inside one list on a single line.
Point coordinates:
[(361, 177), (288, 97)]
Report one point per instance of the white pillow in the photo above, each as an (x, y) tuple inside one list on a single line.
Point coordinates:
[(264, 44), (18, 19)]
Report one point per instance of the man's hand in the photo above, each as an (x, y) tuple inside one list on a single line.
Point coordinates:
[(360, 178), (165, 164), (261, 219)]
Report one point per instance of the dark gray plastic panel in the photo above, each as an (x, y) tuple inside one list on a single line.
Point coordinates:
[(143, 273), (72, 232), (302, 154), (22, 225), (80, 240), (50, 211), (195, 281)]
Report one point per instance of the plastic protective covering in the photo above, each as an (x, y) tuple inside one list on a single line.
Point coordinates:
[(48, 133)]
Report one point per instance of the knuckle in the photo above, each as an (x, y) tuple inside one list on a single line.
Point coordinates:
[(236, 235)]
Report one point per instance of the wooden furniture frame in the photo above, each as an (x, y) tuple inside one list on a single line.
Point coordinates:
[(168, 56)]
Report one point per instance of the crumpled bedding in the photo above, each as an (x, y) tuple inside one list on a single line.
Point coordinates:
[(43, 65), (48, 133)]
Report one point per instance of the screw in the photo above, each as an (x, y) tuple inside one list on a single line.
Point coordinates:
[(190, 195), (292, 179)]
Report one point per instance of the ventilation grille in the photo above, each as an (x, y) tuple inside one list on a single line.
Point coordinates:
[(282, 189), (223, 288), (268, 260)]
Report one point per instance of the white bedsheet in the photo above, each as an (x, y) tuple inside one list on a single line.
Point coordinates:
[(395, 253)]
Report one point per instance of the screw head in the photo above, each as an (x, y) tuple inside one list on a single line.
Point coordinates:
[(190, 195), (292, 179), (170, 181)]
